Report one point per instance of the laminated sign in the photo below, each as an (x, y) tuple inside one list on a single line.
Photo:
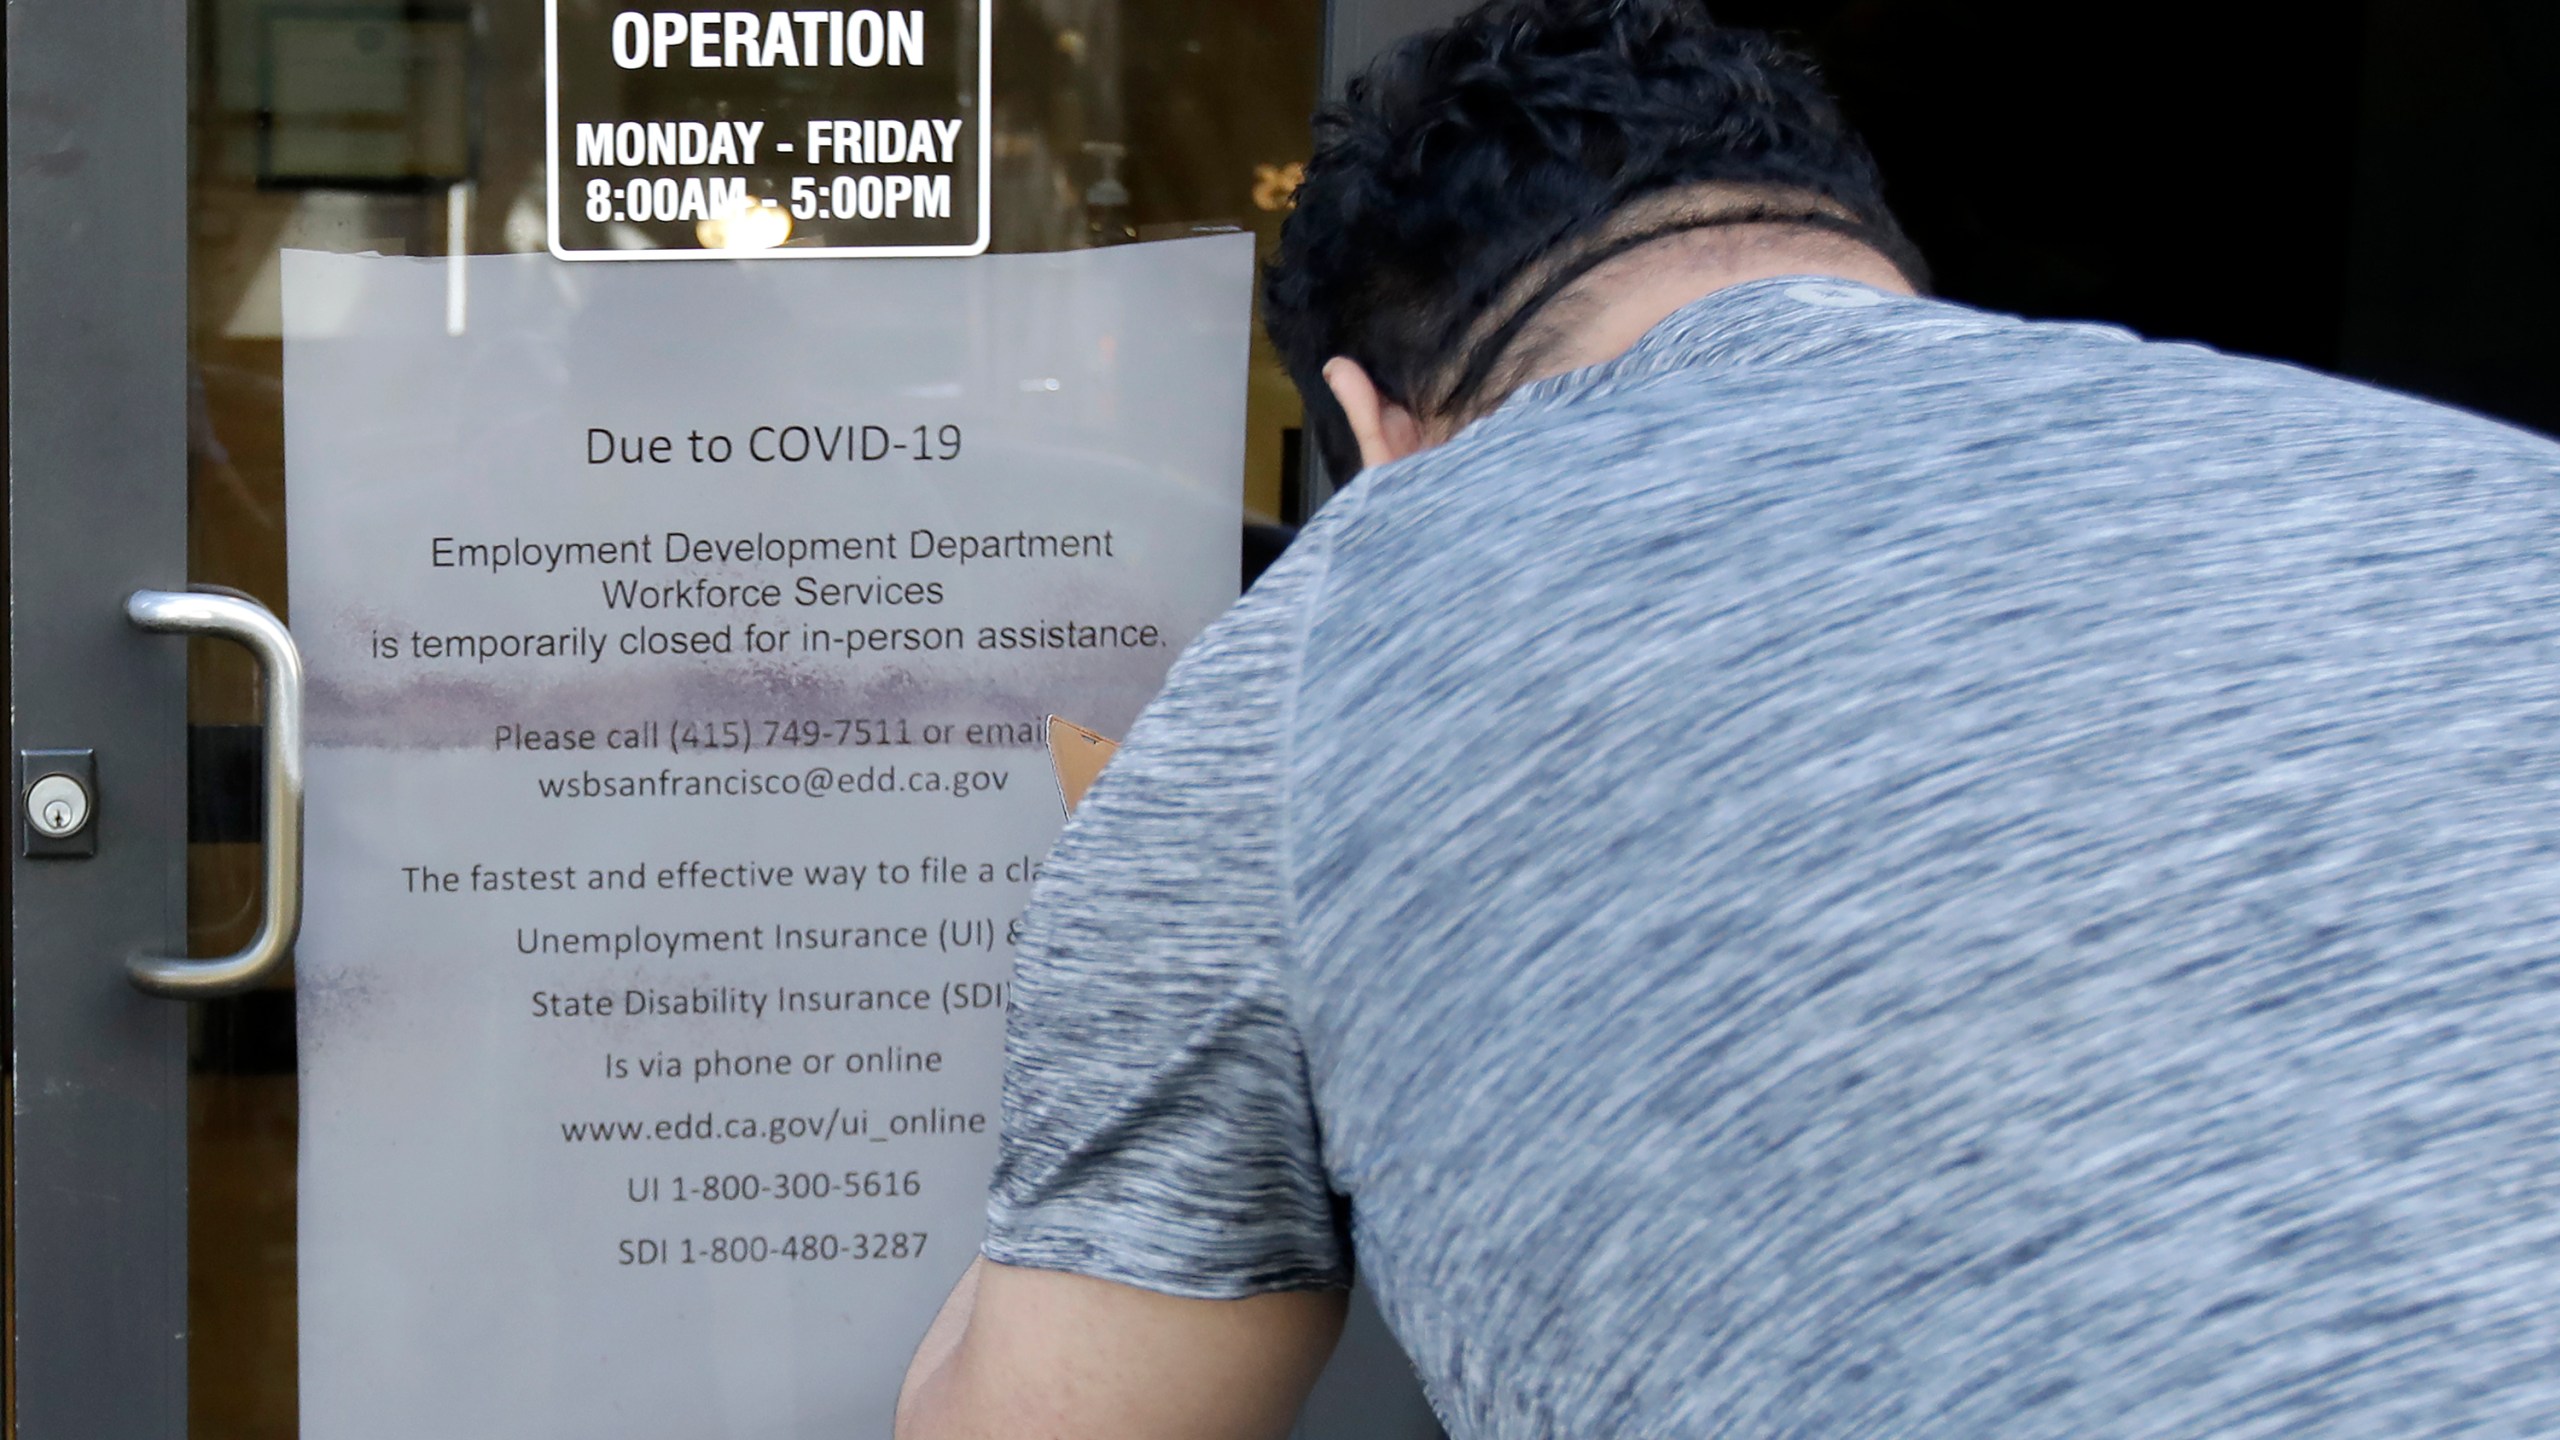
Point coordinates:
[(681, 133), (682, 643)]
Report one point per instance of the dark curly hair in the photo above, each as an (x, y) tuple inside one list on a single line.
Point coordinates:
[(1467, 155)]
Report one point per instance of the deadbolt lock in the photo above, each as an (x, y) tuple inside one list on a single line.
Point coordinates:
[(58, 803)]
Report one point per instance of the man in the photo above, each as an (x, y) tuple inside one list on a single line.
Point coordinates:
[(1796, 860)]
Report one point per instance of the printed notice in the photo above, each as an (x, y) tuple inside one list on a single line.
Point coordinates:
[(681, 642), (680, 133)]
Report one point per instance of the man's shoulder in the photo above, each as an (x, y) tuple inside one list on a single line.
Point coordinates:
[(1222, 712), (1875, 382)]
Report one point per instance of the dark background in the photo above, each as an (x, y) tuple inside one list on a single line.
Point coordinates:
[(2371, 188)]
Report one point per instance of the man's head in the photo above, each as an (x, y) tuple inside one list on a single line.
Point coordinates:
[(1478, 177)]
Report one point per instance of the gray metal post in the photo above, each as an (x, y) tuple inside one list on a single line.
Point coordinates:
[(97, 353), (1355, 32)]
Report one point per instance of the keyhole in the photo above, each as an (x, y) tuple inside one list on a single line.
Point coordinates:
[(57, 816)]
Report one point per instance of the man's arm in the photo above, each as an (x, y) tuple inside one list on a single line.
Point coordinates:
[(1040, 1355), (1159, 1117)]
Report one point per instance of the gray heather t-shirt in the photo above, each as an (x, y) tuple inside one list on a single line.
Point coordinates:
[(1865, 870)]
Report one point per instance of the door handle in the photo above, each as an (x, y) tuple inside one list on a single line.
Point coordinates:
[(253, 626)]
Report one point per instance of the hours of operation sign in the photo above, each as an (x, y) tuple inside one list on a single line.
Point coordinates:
[(687, 133)]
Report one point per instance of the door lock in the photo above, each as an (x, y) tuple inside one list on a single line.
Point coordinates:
[(58, 806), (58, 803)]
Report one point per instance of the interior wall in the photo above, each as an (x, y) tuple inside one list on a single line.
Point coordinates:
[(2372, 188), (2452, 289)]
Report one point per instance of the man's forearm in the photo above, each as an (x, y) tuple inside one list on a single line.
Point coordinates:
[(940, 1347), (1019, 1352)]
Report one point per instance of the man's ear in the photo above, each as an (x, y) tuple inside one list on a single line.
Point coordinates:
[(1387, 432)]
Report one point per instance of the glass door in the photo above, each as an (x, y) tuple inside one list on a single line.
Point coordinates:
[(419, 130), (163, 420)]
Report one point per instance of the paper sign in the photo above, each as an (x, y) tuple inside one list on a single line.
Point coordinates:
[(683, 133), (681, 644)]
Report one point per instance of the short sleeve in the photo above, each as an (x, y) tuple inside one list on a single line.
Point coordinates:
[(1158, 1129)]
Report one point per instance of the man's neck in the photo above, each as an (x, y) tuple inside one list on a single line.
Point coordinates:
[(1628, 310), (1602, 315)]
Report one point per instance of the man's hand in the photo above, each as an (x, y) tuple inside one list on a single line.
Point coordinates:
[(1034, 1355)]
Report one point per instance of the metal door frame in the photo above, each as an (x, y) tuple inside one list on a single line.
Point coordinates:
[(1356, 32), (96, 375)]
